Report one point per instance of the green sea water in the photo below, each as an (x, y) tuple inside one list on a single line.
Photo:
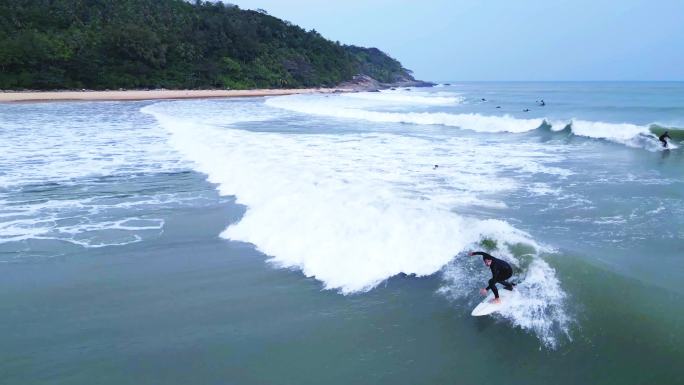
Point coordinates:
[(309, 240)]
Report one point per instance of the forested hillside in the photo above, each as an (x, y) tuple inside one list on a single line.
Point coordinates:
[(109, 44)]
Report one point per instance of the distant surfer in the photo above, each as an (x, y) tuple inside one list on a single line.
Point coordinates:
[(435, 167), (663, 137), (526, 110), (541, 103), (501, 271)]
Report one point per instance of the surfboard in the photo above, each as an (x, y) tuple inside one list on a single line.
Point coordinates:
[(487, 307)]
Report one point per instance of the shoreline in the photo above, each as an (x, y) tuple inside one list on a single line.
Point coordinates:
[(53, 96)]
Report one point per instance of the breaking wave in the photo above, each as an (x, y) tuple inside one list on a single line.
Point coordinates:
[(470, 121), (632, 135), (353, 210)]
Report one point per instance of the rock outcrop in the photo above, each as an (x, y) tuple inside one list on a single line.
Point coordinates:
[(366, 83)]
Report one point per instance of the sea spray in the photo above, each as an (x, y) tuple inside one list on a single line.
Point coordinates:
[(540, 308)]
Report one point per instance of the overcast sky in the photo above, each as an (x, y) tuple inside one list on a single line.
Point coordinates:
[(505, 39)]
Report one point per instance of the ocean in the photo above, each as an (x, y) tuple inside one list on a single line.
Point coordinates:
[(324, 239)]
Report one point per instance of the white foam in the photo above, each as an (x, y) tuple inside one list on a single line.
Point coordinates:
[(61, 166), (610, 220), (622, 132), (543, 189), (350, 210), (631, 135), (38, 148), (78, 221), (355, 209), (540, 307)]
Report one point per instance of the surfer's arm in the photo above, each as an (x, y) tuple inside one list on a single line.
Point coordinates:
[(482, 253)]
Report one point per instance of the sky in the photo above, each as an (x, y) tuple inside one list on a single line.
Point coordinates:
[(505, 39)]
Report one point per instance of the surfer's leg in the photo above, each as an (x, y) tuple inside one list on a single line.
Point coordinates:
[(492, 286), (503, 279)]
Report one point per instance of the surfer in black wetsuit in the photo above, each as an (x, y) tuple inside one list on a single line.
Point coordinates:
[(501, 271), (662, 138)]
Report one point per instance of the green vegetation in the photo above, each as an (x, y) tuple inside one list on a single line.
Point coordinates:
[(110, 44)]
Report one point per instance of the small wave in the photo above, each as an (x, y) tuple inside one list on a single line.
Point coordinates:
[(402, 97), (677, 134), (627, 134), (632, 135), (470, 121)]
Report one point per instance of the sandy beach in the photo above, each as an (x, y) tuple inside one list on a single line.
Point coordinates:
[(48, 96)]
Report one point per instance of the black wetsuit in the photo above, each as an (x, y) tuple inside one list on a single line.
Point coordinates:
[(662, 138), (501, 271)]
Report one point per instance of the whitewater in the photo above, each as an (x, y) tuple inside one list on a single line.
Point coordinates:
[(355, 209)]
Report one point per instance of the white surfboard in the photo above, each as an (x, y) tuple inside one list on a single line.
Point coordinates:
[(487, 307)]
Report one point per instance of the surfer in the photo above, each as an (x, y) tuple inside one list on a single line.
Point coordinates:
[(662, 138), (541, 103), (501, 271)]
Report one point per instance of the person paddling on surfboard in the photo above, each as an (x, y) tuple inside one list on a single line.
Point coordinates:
[(501, 271)]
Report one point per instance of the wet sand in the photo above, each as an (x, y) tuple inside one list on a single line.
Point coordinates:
[(47, 96)]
